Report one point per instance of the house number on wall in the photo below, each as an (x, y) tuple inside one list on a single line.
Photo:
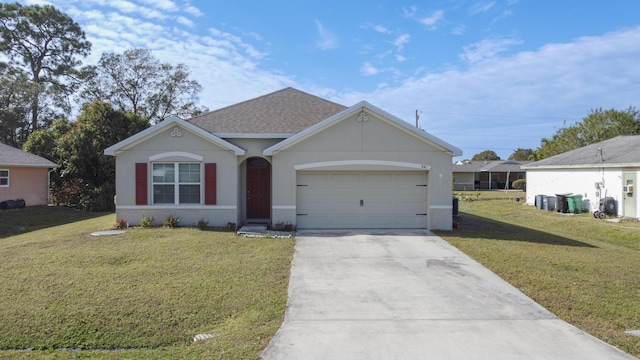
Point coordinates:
[(176, 132)]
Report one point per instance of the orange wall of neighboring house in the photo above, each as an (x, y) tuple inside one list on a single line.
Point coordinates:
[(26, 183)]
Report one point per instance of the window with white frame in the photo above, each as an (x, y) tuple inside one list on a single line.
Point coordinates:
[(4, 178), (176, 183)]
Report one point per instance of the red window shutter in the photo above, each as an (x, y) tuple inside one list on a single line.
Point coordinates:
[(210, 175), (141, 184)]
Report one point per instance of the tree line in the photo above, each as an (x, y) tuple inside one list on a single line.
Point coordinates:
[(43, 77), (597, 126)]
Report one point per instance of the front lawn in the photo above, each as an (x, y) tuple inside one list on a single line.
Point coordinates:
[(143, 294), (582, 269)]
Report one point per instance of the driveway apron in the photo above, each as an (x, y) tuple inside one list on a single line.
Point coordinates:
[(410, 295)]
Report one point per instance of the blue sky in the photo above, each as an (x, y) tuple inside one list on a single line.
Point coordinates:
[(485, 74)]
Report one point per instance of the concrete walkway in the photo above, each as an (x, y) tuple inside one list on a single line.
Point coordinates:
[(410, 295)]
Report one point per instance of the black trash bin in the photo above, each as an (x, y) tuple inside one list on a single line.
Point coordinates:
[(455, 206), (12, 204), (561, 203)]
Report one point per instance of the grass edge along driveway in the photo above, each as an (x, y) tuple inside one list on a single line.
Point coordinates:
[(142, 294), (582, 269)]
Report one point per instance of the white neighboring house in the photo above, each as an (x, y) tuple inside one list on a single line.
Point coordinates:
[(287, 158), (609, 168)]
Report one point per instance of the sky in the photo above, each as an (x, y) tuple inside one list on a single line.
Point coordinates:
[(481, 74)]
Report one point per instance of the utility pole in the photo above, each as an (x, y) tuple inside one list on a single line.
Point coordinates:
[(417, 117)]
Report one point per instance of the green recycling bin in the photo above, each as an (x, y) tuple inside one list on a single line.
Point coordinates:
[(574, 202)]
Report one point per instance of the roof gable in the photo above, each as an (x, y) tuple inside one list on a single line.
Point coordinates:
[(618, 151), (287, 111), (10, 156), (164, 125), (360, 107)]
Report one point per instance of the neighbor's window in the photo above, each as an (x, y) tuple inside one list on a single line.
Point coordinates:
[(4, 178), (176, 183)]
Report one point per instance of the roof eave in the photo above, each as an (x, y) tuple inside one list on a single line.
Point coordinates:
[(121, 146), (253, 135), (448, 148), (582, 166)]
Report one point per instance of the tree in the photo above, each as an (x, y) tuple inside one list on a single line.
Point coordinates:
[(598, 126), (44, 43), (78, 147), (136, 81), (485, 155), (16, 92), (521, 154)]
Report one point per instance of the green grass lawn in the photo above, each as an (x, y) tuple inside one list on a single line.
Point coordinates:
[(146, 293), (143, 294), (584, 270)]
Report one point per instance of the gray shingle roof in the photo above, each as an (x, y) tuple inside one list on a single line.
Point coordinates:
[(287, 111), (621, 150), (10, 156), (494, 166)]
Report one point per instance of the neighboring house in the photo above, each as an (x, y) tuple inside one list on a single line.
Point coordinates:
[(287, 158), (24, 176), (609, 168), (485, 175)]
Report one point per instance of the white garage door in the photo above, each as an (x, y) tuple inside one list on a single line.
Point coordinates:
[(331, 200)]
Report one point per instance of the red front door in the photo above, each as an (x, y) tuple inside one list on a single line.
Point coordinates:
[(258, 189)]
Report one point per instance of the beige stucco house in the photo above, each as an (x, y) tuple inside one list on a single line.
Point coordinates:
[(291, 158), (24, 176)]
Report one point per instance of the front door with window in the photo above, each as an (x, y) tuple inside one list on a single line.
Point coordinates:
[(258, 189), (628, 194)]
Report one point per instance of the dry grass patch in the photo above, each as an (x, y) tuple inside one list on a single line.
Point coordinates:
[(582, 269)]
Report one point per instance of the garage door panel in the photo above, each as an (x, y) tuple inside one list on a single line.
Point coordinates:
[(389, 200)]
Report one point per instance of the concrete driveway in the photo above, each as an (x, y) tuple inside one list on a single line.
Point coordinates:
[(410, 295)]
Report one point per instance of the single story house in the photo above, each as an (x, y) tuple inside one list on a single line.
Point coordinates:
[(485, 175), (287, 157), (608, 169), (24, 176)]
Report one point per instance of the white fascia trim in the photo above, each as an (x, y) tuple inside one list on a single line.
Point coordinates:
[(115, 149), (452, 150), (283, 207), (584, 166), (55, 166), (252, 136), (176, 154), (441, 207), (176, 207), (362, 162)]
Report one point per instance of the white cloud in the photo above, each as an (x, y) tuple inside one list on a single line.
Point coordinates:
[(190, 9), (400, 41), (184, 21), (381, 29), (431, 21), (327, 39), (481, 7), (367, 69), (459, 30), (166, 5), (487, 49)]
